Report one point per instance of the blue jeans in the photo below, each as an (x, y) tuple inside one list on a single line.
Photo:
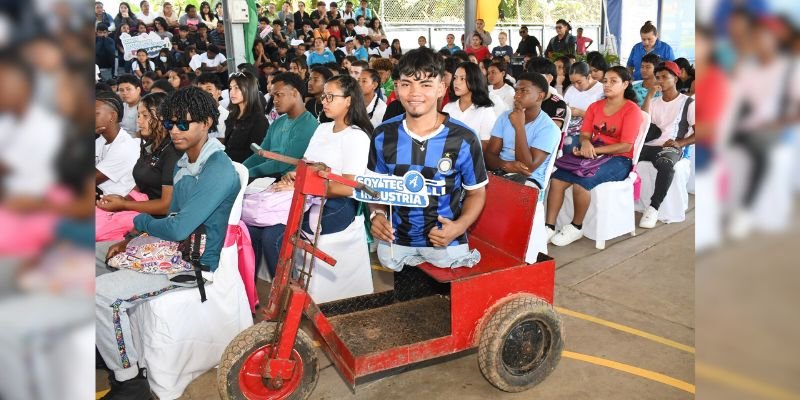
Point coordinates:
[(337, 215)]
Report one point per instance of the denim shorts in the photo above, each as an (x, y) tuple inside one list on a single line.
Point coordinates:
[(395, 257)]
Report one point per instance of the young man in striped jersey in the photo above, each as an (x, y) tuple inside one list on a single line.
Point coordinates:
[(426, 145)]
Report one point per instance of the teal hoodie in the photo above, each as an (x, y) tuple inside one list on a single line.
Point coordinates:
[(203, 194)]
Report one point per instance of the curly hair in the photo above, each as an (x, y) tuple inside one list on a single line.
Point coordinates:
[(158, 133), (191, 101)]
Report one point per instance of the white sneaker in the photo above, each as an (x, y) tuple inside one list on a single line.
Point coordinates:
[(568, 234), (549, 233), (649, 218), (741, 225)]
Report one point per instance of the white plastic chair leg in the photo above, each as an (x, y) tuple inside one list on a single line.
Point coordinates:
[(600, 244)]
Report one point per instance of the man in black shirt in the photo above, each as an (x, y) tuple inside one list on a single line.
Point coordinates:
[(528, 45), (183, 40)]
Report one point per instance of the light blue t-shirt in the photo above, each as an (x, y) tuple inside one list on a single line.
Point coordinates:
[(361, 53), (324, 58), (542, 134)]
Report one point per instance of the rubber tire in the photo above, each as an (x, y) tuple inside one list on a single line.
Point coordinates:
[(252, 339), (501, 323)]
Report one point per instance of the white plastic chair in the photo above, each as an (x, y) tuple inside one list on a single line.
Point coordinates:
[(692, 173), (181, 338), (708, 215), (611, 211), (537, 242), (676, 202)]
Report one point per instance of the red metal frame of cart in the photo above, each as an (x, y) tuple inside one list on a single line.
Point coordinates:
[(501, 235)]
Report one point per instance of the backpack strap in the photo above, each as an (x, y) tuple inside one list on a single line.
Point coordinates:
[(683, 125)]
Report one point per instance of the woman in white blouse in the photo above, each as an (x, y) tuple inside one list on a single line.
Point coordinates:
[(470, 102), (583, 91), (370, 80), (343, 145), (499, 85)]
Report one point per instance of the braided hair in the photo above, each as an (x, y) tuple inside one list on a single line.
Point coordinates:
[(191, 101), (112, 100)]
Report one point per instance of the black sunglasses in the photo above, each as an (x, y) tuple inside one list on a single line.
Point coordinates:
[(182, 124)]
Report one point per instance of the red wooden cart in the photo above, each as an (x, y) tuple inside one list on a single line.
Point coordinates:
[(502, 306)]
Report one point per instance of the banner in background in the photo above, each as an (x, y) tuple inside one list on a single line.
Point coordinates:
[(151, 42)]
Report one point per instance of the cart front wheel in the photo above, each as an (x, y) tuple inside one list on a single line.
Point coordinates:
[(239, 373), (521, 344)]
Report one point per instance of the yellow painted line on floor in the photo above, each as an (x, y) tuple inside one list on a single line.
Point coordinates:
[(378, 267), (101, 393), (627, 329), (640, 372), (743, 383)]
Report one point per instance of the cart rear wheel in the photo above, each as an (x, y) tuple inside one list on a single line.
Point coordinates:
[(521, 344), (239, 374)]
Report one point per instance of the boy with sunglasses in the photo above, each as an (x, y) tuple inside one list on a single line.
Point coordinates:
[(205, 188)]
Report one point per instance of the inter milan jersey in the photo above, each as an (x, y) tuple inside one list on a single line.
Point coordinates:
[(451, 162)]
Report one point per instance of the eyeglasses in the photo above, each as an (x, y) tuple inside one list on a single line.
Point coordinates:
[(329, 97), (182, 124)]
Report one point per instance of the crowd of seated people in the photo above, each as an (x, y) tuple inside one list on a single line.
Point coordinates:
[(326, 91)]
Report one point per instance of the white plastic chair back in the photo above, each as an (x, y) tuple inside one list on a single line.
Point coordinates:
[(181, 338), (611, 211)]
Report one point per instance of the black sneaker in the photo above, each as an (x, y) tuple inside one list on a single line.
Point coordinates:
[(133, 389)]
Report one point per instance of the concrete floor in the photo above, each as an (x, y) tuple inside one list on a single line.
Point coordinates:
[(644, 282)]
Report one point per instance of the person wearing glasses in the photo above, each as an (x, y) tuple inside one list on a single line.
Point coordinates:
[(528, 45), (246, 121), (351, 129), (152, 175), (563, 42), (205, 188)]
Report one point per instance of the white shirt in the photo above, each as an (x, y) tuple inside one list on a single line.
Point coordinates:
[(28, 148), (499, 105), (199, 59), (147, 19), (129, 122), (384, 53), (479, 119), (116, 161), (220, 131), (378, 109), (226, 99), (346, 151), (765, 95), (135, 66), (361, 30), (582, 100), (667, 116), (346, 15), (505, 93)]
